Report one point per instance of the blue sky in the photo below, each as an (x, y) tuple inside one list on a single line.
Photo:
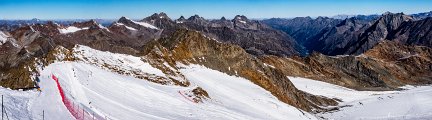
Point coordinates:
[(137, 9)]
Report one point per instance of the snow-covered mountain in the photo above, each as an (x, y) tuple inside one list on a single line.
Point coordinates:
[(105, 92)]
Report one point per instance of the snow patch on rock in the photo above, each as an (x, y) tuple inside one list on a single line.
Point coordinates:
[(3, 38), (127, 27), (146, 25), (71, 29)]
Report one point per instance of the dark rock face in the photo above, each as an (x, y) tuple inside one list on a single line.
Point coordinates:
[(386, 66), (415, 33), (333, 40), (356, 37), (380, 30), (18, 56), (302, 28)]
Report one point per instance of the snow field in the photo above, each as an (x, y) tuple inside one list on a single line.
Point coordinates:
[(413, 103)]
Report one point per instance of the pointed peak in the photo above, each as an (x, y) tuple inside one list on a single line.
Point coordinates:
[(195, 17), (123, 18), (182, 18), (163, 15), (387, 13), (322, 17), (160, 15), (91, 24), (240, 17), (223, 18)]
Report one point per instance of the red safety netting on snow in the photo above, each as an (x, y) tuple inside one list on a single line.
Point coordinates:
[(74, 109)]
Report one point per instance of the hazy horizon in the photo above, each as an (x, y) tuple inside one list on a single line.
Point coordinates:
[(209, 9)]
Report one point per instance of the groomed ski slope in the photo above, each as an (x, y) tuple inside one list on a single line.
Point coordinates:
[(123, 97), (115, 96), (414, 103)]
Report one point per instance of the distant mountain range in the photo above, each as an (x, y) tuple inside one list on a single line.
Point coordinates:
[(356, 34)]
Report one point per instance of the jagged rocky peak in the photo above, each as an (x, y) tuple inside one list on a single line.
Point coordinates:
[(157, 16), (195, 18), (223, 18), (123, 19), (181, 19), (393, 20), (159, 20), (127, 21), (353, 22), (198, 20), (321, 18), (241, 19), (307, 18), (91, 24), (396, 16)]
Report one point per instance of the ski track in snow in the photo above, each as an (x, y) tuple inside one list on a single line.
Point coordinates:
[(414, 103), (115, 96)]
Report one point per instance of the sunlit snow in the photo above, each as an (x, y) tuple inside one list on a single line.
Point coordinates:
[(116, 96), (3, 38), (71, 29), (413, 103)]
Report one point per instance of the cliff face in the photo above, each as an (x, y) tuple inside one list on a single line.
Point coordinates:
[(415, 33), (302, 28), (354, 36), (19, 57)]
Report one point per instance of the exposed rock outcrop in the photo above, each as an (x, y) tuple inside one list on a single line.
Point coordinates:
[(355, 36), (386, 66), (302, 28)]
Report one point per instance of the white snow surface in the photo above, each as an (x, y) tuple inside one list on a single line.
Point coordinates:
[(116, 96), (127, 27), (144, 24), (122, 61), (414, 103), (71, 29), (3, 38)]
